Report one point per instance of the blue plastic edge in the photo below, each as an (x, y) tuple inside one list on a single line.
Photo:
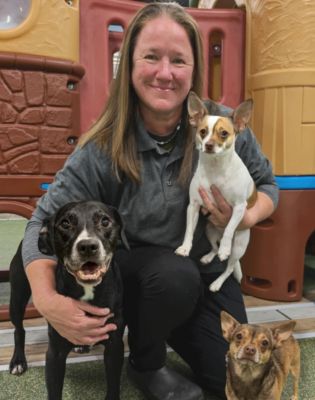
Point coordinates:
[(44, 186), (296, 182), (284, 182)]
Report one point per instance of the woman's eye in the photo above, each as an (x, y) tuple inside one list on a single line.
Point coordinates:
[(178, 61), (150, 57)]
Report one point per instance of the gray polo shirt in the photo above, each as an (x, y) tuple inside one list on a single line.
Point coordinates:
[(154, 211)]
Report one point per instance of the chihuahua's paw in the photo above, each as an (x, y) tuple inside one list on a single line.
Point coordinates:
[(216, 285), (224, 253), (182, 251), (206, 259)]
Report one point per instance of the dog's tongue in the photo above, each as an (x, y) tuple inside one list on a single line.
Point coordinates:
[(89, 268)]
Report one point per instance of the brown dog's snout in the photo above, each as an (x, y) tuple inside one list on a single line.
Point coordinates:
[(250, 350), (88, 247)]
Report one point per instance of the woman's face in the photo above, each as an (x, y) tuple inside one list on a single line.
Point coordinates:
[(163, 65)]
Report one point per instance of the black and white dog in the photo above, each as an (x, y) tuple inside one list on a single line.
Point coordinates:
[(83, 236)]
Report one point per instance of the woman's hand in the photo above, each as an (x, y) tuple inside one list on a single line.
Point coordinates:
[(220, 211), (77, 321)]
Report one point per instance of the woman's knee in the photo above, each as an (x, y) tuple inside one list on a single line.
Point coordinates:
[(175, 281)]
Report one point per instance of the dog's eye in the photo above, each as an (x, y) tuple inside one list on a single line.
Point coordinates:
[(265, 343), (239, 336), (224, 134), (65, 224), (105, 222), (203, 132)]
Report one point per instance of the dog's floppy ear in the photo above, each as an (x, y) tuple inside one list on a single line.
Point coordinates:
[(242, 115), (228, 325), (118, 218), (282, 332), (196, 109), (124, 238), (45, 240)]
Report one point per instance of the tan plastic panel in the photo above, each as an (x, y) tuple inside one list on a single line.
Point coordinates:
[(51, 29), (280, 76)]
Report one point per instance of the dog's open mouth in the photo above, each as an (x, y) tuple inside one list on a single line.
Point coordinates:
[(90, 272)]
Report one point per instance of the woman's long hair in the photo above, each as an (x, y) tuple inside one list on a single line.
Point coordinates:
[(114, 131)]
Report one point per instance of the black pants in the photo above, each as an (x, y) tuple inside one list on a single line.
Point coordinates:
[(166, 301)]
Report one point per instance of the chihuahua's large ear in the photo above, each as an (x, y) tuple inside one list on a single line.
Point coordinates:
[(196, 109), (228, 325), (45, 240), (242, 115), (282, 332)]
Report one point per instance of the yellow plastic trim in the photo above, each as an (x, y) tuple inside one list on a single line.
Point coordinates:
[(25, 25)]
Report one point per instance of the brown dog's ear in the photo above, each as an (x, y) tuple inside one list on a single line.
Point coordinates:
[(45, 242), (228, 325), (196, 109), (242, 115), (282, 332)]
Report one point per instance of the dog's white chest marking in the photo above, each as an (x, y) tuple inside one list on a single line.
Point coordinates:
[(88, 293)]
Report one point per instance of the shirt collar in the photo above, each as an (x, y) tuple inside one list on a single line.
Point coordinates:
[(145, 142)]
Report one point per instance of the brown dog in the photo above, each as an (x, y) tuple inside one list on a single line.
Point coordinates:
[(259, 359)]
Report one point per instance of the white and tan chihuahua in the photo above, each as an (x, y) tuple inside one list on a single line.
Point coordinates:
[(220, 165)]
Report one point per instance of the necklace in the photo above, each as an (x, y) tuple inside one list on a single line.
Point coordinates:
[(166, 139)]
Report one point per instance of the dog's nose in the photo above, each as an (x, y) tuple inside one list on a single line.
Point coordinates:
[(88, 247), (250, 350), (209, 147)]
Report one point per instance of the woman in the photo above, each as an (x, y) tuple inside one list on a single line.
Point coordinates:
[(139, 157)]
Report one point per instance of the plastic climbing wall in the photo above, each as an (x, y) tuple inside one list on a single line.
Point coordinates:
[(280, 76), (39, 100)]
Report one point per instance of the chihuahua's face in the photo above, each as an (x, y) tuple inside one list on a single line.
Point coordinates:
[(253, 343), (216, 134)]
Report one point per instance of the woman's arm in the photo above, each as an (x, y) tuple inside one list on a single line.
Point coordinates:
[(221, 211), (68, 316)]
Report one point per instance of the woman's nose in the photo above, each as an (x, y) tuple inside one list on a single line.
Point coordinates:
[(164, 69)]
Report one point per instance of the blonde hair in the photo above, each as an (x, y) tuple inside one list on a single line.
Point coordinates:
[(114, 131)]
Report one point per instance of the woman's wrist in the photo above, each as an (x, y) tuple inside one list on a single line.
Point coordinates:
[(263, 208), (41, 276), (248, 221)]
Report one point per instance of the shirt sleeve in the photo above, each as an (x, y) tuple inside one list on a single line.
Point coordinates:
[(258, 164), (72, 183)]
